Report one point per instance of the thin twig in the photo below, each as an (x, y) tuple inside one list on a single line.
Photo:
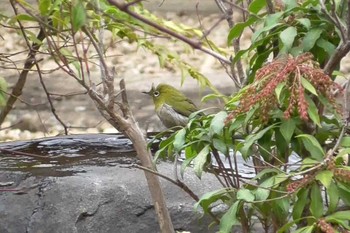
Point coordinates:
[(52, 107)]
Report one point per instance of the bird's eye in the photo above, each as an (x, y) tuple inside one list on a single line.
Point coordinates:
[(156, 93)]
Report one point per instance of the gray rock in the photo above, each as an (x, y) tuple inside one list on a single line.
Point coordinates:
[(99, 199)]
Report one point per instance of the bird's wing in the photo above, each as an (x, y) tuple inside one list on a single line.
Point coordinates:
[(183, 105)]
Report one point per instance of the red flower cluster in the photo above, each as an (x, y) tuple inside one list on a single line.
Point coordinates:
[(290, 72), (325, 226), (342, 175), (298, 184)]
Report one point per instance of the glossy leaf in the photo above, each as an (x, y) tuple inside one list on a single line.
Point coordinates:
[(44, 6), (258, 32), (307, 229), (333, 197), (316, 205), (238, 29), (220, 145), (290, 4), (78, 16), (253, 138), (287, 129), (263, 192), (200, 160), (279, 89), (218, 123), (300, 204), (308, 86), (246, 195), (345, 142), (340, 215), (287, 37), (211, 197), (311, 37), (344, 192), (327, 46), (256, 5), (308, 162), (305, 22), (180, 139), (325, 177), (312, 145), (313, 111), (229, 219)]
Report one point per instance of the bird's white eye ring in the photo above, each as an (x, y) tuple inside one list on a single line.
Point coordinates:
[(156, 93)]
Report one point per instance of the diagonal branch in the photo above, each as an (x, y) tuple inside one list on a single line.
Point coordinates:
[(194, 44), (29, 63)]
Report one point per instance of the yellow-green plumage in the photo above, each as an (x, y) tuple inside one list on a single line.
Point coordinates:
[(172, 106)]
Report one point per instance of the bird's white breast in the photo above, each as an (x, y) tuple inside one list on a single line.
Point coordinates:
[(170, 117)]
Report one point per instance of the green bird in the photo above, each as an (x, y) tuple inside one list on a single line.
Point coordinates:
[(172, 106)]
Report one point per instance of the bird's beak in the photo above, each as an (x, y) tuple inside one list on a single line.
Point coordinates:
[(150, 91)]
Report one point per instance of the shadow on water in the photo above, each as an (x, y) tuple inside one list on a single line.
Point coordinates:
[(66, 155)]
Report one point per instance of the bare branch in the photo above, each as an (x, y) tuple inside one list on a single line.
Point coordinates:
[(335, 59)]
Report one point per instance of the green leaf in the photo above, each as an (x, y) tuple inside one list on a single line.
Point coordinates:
[(273, 19), (78, 16), (325, 177), (200, 160), (229, 219), (305, 22), (258, 32), (218, 123), (308, 162), (23, 17), (308, 86), (256, 5), (312, 145), (279, 89), (345, 142), (327, 46), (316, 205), (180, 139), (246, 195), (220, 145), (287, 226), (300, 203), (208, 198), (44, 6), (287, 129), (263, 192), (340, 215), (238, 29), (310, 38), (344, 192), (333, 197), (307, 229), (287, 37), (253, 138), (290, 4), (312, 110)]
